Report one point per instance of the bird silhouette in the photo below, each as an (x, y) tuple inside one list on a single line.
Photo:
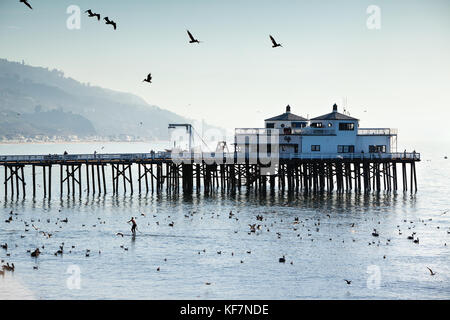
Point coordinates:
[(148, 79), (191, 37), (111, 22), (91, 14), (274, 43), (348, 281), (431, 271), (26, 3)]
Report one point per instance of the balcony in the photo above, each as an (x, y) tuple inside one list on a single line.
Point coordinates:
[(262, 131), (307, 131), (377, 132)]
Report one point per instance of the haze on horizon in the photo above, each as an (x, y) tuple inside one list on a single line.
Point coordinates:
[(397, 76)]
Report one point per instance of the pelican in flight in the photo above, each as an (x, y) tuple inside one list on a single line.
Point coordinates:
[(148, 79), (274, 43), (191, 37), (110, 22), (25, 2), (91, 14)]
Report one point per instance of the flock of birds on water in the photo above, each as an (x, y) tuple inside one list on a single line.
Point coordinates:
[(305, 229), (192, 39)]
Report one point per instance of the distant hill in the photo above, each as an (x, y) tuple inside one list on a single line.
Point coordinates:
[(39, 101)]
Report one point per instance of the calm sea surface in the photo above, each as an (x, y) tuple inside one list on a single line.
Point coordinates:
[(332, 241)]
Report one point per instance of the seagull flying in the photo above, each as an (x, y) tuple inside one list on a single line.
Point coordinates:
[(191, 37), (110, 22), (26, 3), (91, 14), (274, 43), (148, 79), (431, 271)]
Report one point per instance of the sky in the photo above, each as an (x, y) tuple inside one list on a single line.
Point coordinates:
[(396, 76)]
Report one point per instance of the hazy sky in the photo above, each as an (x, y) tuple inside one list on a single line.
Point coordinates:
[(400, 73)]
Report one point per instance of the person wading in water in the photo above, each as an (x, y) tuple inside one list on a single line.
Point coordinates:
[(133, 226)]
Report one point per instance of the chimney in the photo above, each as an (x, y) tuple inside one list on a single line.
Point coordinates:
[(288, 109), (335, 107)]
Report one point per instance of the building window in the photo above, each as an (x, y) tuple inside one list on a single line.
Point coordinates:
[(316, 125), (346, 149), (298, 124), (330, 124), (282, 125), (346, 126), (315, 147), (270, 125), (377, 149)]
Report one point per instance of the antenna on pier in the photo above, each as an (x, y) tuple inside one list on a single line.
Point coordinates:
[(344, 104)]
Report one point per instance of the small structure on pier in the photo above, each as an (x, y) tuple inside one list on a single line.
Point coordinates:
[(331, 134)]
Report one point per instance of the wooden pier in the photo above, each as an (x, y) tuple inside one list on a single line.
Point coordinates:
[(158, 172)]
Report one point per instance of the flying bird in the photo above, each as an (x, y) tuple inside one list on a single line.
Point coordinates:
[(191, 37), (91, 14), (431, 271), (148, 79), (110, 22), (26, 3), (274, 43), (348, 281)]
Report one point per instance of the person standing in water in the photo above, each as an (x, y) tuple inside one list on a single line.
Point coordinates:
[(133, 226)]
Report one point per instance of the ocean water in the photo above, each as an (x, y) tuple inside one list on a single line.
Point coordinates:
[(332, 241)]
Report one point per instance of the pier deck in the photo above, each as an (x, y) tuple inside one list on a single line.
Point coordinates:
[(307, 172)]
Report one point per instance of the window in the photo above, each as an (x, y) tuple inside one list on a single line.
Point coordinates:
[(330, 124), (315, 147), (346, 149), (270, 125), (317, 125), (377, 149), (298, 124), (346, 126), (282, 125)]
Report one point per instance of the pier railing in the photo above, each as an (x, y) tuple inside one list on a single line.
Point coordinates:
[(88, 157), (159, 170), (167, 156), (377, 132), (309, 131)]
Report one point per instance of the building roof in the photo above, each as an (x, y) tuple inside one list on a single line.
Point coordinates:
[(335, 115), (287, 116)]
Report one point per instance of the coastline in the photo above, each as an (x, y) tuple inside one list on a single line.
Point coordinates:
[(78, 142)]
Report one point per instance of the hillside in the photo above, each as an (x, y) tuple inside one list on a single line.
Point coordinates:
[(39, 101)]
